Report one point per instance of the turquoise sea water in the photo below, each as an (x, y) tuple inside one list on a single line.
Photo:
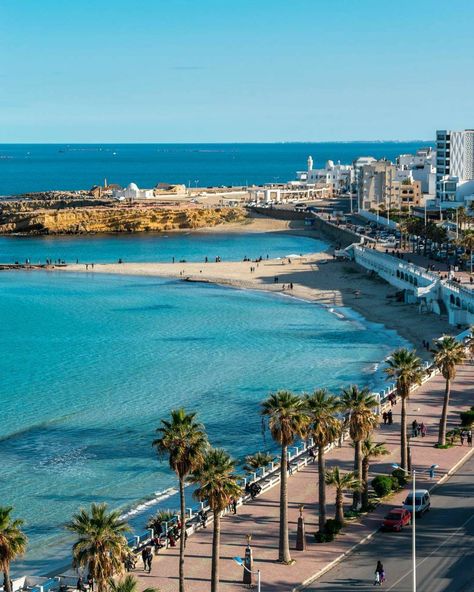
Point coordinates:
[(154, 247), (89, 365)]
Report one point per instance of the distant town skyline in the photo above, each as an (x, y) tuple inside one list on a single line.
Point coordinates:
[(205, 71)]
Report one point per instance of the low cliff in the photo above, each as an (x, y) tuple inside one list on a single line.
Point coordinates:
[(112, 219)]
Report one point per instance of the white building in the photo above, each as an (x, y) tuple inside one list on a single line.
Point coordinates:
[(133, 192), (454, 167), (422, 167), (338, 176)]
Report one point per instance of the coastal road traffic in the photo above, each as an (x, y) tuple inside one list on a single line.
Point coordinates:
[(445, 547)]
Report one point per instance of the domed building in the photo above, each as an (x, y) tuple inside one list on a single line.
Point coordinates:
[(133, 192)]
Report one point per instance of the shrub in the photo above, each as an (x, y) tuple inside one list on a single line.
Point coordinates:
[(321, 537), (401, 477), (467, 418), (395, 483), (332, 526), (382, 485)]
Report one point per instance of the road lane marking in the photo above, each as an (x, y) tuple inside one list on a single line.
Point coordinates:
[(432, 552)]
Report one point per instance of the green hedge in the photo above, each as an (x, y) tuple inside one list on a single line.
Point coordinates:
[(382, 485), (467, 418)]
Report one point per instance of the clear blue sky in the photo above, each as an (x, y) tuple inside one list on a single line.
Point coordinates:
[(234, 70)]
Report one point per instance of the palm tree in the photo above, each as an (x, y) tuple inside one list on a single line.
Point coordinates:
[(447, 354), (287, 420), (370, 449), (101, 545), (468, 243), (13, 542), (342, 482), (406, 368), (127, 584), (184, 442), (256, 461), (324, 428), (359, 405), (217, 484)]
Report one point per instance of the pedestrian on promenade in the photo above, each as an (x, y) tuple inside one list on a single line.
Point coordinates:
[(234, 505), (289, 467), (149, 559), (390, 417), (423, 430), (291, 285), (80, 585), (462, 437), (90, 582), (144, 558), (469, 437), (414, 428), (312, 454), (203, 518), (385, 417)]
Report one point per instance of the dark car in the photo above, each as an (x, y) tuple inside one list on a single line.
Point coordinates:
[(396, 519)]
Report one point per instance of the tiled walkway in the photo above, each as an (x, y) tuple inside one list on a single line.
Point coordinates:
[(260, 517)]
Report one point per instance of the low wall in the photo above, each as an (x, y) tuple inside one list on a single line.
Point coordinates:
[(335, 233), (281, 214)]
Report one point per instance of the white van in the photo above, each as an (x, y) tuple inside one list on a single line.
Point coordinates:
[(422, 502)]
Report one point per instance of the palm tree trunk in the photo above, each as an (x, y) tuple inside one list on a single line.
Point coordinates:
[(403, 435), (339, 508), (6, 579), (365, 483), (357, 471), (284, 544), (216, 540), (322, 488), (183, 533), (444, 416)]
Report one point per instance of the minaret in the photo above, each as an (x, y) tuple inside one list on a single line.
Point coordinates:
[(105, 183), (310, 163)]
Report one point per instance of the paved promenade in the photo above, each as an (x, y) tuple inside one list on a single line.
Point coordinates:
[(260, 517)]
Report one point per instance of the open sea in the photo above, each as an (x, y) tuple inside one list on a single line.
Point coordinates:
[(42, 167), (90, 363)]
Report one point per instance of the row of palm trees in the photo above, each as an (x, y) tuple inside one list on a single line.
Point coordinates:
[(101, 545)]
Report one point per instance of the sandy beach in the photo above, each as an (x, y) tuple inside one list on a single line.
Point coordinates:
[(316, 277)]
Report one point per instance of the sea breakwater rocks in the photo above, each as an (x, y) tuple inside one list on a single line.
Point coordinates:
[(114, 219)]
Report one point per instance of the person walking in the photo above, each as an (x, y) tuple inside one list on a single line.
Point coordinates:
[(462, 437), (379, 574), (149, 559), (423, 430), (414, 428), (469, 437), (234, 505), (144, 558), (390, 417), (385, 417)]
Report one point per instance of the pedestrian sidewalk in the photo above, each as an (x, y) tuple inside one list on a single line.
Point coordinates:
[(260, 517)]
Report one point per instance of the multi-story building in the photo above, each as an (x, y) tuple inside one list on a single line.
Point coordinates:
[(373, 183), (422, 167), (404, 194), (454, 167)]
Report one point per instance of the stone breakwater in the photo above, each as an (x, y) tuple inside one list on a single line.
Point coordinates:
[(110, 219)]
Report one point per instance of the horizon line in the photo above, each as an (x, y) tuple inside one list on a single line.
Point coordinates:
[(108, 142)]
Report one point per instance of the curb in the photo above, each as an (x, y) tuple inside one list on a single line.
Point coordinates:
[(340, 557), (334, 562)]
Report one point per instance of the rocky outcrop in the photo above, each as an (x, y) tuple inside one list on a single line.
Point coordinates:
[(85, 220)]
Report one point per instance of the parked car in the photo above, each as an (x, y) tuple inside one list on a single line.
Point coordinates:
[(422, 501), (396, 519)]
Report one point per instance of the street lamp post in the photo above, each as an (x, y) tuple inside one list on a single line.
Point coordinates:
[(413, 518), (240, 562)]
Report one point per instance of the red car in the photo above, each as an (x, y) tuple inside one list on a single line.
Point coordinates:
[(396, 519)]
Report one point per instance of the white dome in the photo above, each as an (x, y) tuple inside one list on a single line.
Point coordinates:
[(132, 187), (330, 164)]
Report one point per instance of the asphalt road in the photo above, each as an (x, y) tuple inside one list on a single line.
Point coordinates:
[(445, 547)]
